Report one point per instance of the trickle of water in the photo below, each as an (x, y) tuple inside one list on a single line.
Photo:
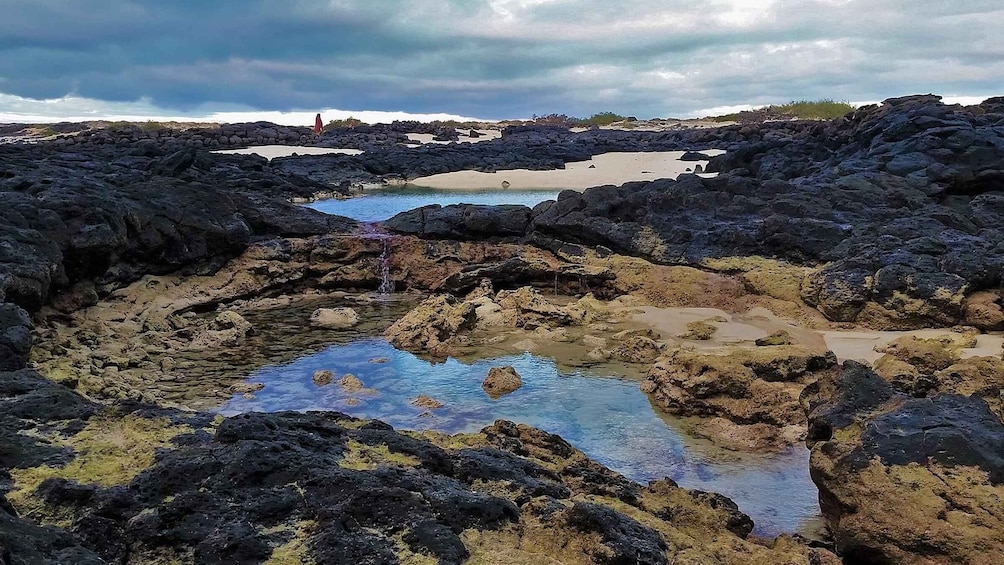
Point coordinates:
[(370, 231), (386, 283)]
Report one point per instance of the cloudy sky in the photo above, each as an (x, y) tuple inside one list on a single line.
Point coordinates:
[(485, 58)]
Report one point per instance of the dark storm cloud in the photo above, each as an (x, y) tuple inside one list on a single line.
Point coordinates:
[(495, 58)]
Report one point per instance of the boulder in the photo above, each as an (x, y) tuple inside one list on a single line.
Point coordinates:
[(334, 318), (906, 480), (350, 383), (322, 377), (501, 381), (432, 324), (15, 337), (757, 388)]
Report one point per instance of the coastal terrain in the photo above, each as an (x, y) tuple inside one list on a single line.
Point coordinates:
[(198, 366)]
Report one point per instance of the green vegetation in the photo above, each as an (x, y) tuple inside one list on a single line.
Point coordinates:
[(348, 122), (826, 109), (603, 119), (151, 126), (45, 131)]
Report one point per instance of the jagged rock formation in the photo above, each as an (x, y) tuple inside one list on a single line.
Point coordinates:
[(902, 479), (904, 201)]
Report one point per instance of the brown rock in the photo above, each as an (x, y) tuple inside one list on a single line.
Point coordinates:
[(501, 381), (700, 331), (246, 388), (427, 402), (780, 337), (983, 310), (927, 355), (744, 386), (334, 318), (323, 377), (432, 324), (350, 383)]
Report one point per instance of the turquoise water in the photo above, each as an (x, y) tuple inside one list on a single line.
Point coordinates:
[(383, 204), (609, 419)]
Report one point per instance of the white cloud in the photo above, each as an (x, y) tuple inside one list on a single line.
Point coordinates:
[(17, 109)]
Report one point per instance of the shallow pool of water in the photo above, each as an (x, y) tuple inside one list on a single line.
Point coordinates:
[(382, 204), (608, 418)]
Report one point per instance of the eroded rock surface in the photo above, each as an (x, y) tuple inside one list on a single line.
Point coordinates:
[(902, 479), (327, 488), (753, 394)]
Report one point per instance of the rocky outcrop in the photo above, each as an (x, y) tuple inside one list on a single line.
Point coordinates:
[(753, 392), (906, 480), (902, 201), (443, 321), (112, 217)]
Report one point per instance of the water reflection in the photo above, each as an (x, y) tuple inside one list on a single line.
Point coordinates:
[(382, 204)]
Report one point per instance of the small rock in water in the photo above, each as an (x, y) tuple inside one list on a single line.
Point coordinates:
[(334, 318), (379, 360), (323, 377), (246, 388), (427, 402), (351, 383), (352, 402), (501, 381)]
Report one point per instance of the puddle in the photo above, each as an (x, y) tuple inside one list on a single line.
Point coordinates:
[(608, 418), (382, 204)]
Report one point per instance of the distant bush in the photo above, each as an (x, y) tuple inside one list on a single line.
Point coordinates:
[(815, 110), (825, 109), (348, 122), (151, 126), (603, 119)]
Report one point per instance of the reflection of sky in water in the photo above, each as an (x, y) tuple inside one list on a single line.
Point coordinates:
[(383, 204), (609, 419)]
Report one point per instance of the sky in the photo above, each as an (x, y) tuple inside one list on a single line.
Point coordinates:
[(232, 60)]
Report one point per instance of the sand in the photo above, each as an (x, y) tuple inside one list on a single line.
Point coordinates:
[(486, 135), (737, 329), (860, 345), (744, 329), (272, 151), (608, 168)]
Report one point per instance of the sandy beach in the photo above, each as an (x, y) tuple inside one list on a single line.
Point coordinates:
[(272, 151), (608, 168), (486, 135)]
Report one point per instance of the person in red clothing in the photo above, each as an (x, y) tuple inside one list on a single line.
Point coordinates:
[(318, 126)]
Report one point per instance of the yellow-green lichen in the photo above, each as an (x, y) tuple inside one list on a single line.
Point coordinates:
[(109, 451), (362, 457)]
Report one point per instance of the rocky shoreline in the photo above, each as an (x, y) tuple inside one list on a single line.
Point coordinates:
[(117, 258)]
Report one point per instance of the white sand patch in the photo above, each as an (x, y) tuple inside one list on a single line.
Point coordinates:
[(733, 329), (860, 345), (272, 151), (607, 168), (745, 329), (486, 135)]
